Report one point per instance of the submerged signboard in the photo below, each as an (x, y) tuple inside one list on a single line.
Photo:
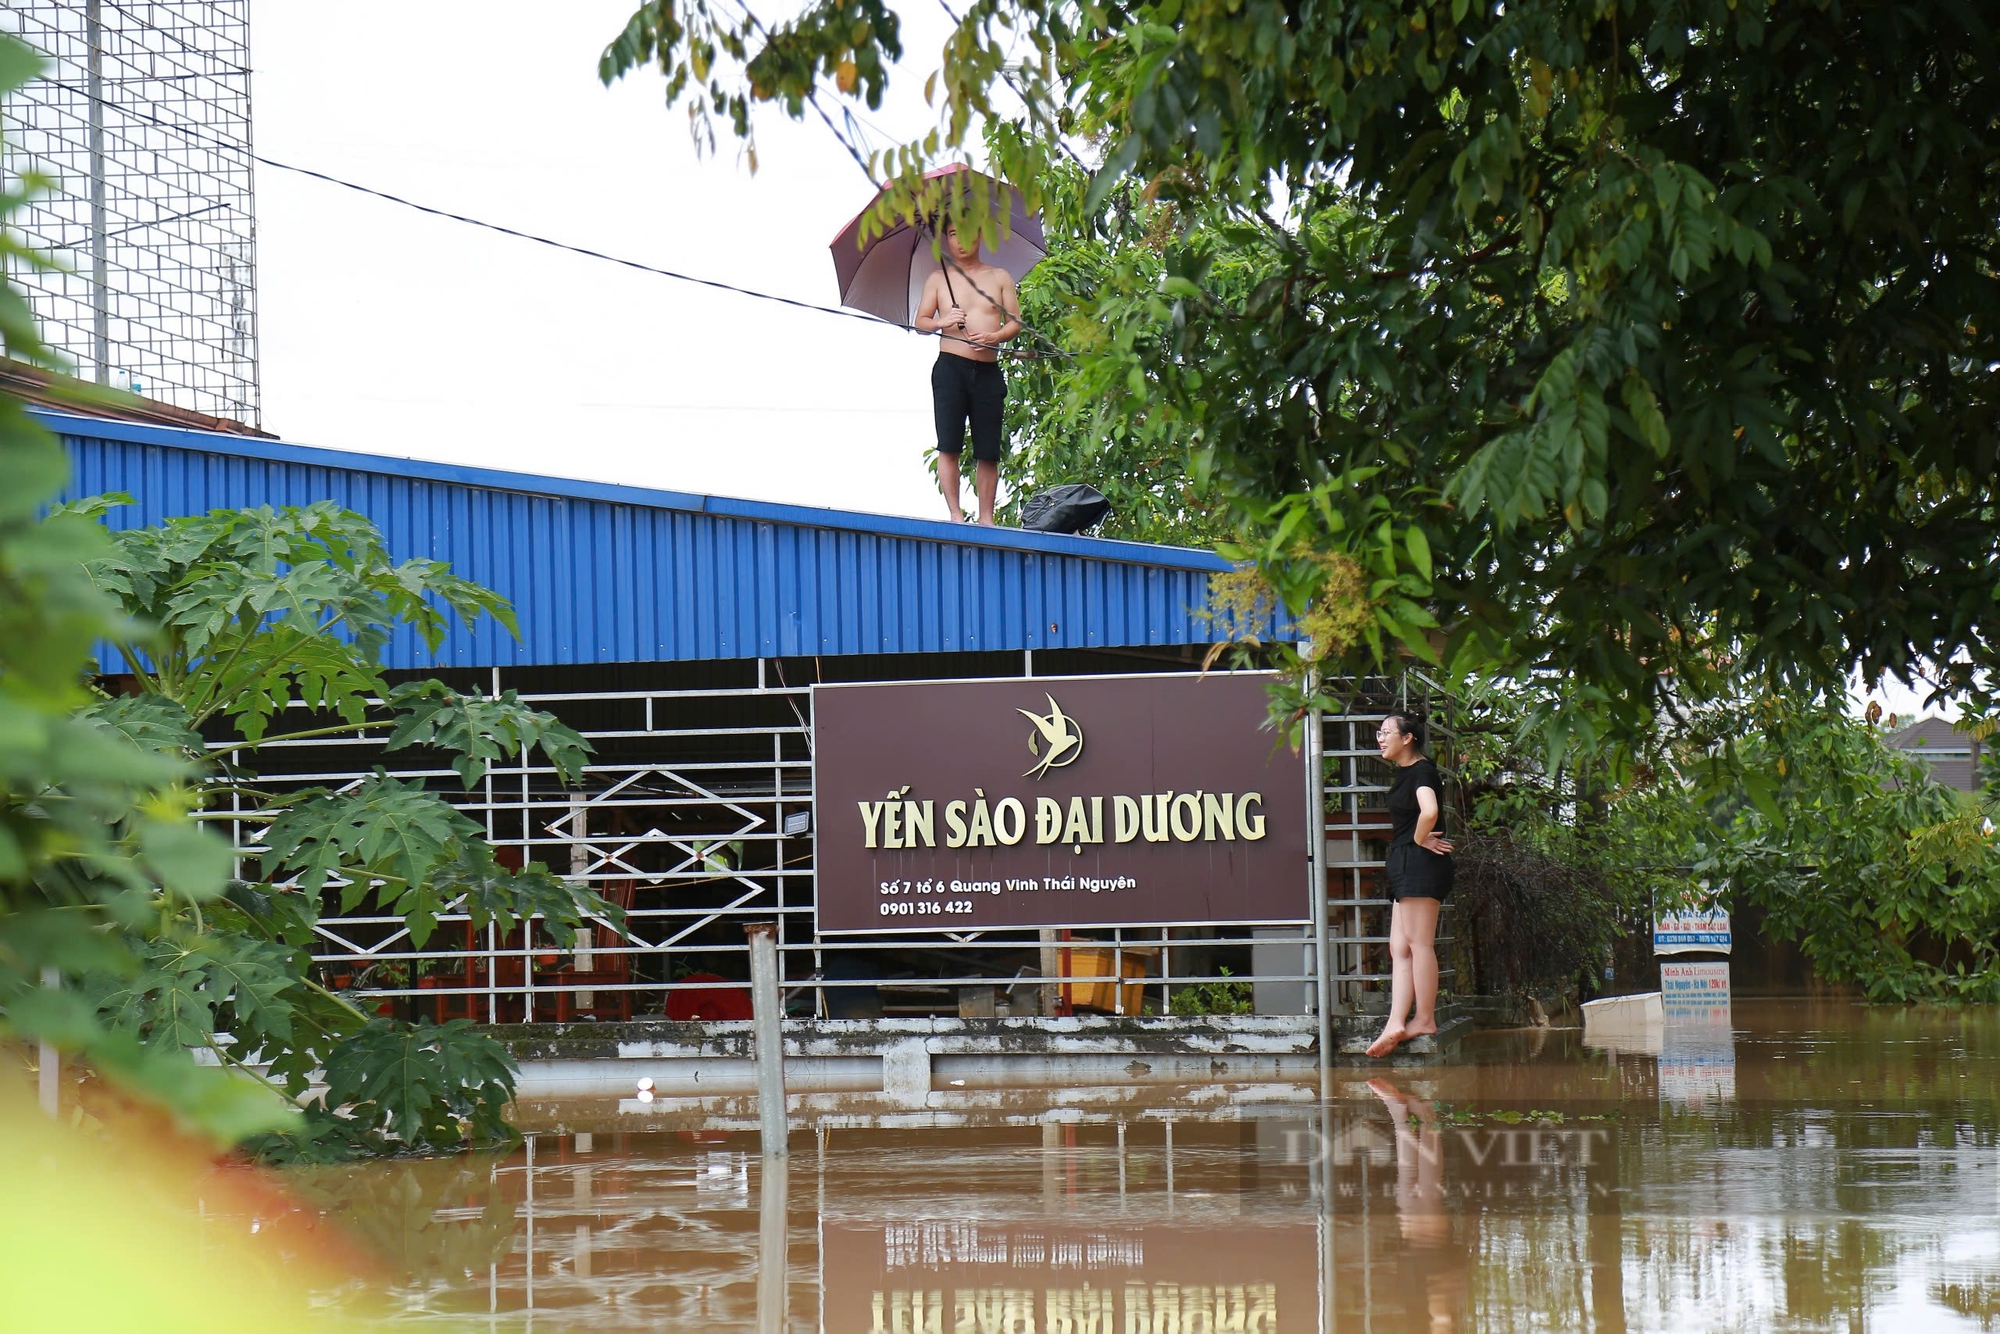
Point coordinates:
[(1065, 801), (1697, 1046)]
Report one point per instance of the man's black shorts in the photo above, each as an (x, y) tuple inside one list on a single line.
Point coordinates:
[(963, 391)]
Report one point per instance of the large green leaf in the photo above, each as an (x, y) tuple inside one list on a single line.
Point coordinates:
[(420, 1082), (382, 827), (481, 730), (259, 982), (150, 722), (494, 894), (259, 608), (165, 1004), (185, 990)]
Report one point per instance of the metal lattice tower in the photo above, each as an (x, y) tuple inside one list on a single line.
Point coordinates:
[(143, 121)]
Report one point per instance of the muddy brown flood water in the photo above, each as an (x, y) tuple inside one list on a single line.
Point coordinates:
[(1805, 1166)]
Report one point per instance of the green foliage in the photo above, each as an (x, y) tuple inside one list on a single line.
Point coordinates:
[(253, 610), (150, 722), (1599, 283), (244, 620), (419, 857), (93, 840), (1199, 998), (122, 939), (849, 41), (1669, 328), (479, 730), (490, 893), (394, 828), (172, 1001), (1885, 879), (1067, 412), (430, 1086)]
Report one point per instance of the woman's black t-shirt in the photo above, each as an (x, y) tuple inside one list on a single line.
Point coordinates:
[(1403, 808)]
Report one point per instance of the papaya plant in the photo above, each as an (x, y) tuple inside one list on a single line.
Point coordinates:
[(248, 628), (124, 938), (94, 836)]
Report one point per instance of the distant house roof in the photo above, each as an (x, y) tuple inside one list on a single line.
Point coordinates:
[(1949, 753), (606, 573)]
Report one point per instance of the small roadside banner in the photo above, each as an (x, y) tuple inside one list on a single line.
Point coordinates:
[(1703, 931)]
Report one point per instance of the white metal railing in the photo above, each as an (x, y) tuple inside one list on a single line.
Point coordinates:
[(1354, 797)]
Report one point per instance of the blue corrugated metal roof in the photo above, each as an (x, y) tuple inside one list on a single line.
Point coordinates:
[(606, 573)]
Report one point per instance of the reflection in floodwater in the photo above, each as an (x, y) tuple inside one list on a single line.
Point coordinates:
[(1064, 1276), (1842, 1176), (1697, 1048), (1435, 1268)]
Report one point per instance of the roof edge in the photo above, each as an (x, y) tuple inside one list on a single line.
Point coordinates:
[(270, 449), (56, 392)]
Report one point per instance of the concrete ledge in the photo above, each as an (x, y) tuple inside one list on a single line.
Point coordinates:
[(599, 1077), (1095, 1103), (994, 1073), (906, 1060), (1076, 1035), (1353, 1033)]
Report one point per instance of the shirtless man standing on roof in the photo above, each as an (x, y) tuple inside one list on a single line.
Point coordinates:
[(972, 306)]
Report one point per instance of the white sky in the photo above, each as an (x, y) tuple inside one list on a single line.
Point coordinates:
[(1899, 699), (390, 332)]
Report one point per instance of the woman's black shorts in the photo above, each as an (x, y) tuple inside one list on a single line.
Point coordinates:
[(1418, 873)]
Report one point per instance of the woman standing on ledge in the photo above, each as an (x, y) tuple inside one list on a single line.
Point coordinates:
[(1419, 872)]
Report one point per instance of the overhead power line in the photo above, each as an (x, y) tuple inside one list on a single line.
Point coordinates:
[(515, 232), (504, 230), (553, 244)]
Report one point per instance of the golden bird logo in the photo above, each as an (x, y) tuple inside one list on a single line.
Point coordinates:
[(1059, 732)]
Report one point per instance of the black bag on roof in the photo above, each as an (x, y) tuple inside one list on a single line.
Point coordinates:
[(1065, 509)]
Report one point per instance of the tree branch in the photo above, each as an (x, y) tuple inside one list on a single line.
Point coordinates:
[(295, 736)]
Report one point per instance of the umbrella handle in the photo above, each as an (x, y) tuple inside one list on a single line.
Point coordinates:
[(944, 266)]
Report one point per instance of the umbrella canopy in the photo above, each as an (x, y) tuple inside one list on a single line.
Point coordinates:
[(886, 276)]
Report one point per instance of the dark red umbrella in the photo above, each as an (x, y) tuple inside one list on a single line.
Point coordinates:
[(885, 277)]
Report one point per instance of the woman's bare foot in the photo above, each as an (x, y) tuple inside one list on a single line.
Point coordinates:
[(1419, 1028), (1392, 1038)]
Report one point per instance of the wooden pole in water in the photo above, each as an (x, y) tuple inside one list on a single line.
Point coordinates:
[(767, 1011)]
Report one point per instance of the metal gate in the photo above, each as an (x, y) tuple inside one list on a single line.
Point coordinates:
[(693, 816)]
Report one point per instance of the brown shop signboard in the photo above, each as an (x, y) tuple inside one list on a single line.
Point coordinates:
[(1055, 801)]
